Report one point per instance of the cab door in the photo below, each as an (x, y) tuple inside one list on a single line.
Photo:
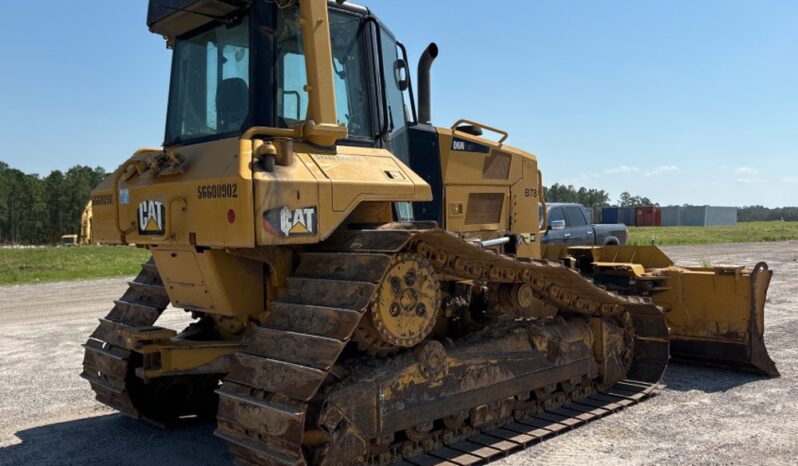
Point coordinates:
[(577, 228), (556, 214)]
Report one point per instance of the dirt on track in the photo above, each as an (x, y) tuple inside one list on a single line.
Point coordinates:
[(702, 416)]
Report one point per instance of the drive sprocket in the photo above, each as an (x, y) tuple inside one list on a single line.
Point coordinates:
[(407, 304)]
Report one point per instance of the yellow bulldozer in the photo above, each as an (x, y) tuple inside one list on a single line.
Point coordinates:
[(367, 288)]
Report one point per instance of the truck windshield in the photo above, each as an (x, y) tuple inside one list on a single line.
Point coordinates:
[(209, 94)]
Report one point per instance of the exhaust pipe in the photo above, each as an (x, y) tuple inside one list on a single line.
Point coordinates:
[(424, 90)]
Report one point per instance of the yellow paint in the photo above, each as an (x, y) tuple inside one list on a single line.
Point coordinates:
[(227, 236)]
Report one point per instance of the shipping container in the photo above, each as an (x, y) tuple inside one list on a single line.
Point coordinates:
[(609, 215), (627, 216), (702, 216), (648, 216), (695, 216), (721, 215), (597, 214), (672, 216)]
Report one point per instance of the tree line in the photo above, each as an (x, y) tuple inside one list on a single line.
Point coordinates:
[(758, 213), (591, 198), (36, 210)]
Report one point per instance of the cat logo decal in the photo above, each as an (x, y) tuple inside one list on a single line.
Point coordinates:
[(151, 217)]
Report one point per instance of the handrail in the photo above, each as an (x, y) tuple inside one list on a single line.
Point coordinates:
[(504, 134), (269, 131), (542, 198), (168, 233), (118, 176)]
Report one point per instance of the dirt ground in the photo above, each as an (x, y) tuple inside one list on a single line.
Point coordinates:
[(701, 416)]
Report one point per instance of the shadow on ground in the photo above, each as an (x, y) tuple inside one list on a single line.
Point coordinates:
[(116, 440), (686, 377)]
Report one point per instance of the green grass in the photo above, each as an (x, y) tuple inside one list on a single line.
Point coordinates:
[(748, 232), (49, 264)]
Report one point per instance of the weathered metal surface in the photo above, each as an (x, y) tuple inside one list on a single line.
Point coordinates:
[(328, 293), (361, 412), (313, 320), (300, 347), (717, 316), (297, 348), (109, 364), (105, 362), (299, 382), (342, 266)]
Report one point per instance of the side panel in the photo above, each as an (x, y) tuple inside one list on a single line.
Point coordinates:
[(489, 189), (305, 202), (477, 208), (211, 280), (205, 200)]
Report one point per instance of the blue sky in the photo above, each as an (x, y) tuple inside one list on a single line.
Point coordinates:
[(681, 101)]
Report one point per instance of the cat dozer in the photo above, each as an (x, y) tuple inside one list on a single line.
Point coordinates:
[(367, 288)]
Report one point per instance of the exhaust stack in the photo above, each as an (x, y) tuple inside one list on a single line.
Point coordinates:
[(424, 90)]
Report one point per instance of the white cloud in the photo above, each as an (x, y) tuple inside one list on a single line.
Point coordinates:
[(620, 170), (746, 171), (585, 179), (748, 180), (790, 179), (660, 170)]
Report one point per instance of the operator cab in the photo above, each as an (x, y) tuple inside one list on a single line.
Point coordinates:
[(239, 64)]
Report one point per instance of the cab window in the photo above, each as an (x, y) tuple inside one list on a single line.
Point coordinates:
[(556, 214), (575, 217), (209, 95), (393, 69), (349, 72)]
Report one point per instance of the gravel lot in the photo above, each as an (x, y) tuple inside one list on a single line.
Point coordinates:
[(702, 416)]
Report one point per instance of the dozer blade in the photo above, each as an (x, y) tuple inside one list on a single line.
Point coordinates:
[(717, 316)]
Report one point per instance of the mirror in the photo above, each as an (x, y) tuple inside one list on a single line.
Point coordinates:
[(558, 225), (401, 74)]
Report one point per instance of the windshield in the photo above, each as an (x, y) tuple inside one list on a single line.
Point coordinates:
[(209, 94)]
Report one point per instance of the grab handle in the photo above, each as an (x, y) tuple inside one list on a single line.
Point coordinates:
[(504, 134)]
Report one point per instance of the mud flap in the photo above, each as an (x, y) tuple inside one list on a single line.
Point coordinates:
[(717, 316)]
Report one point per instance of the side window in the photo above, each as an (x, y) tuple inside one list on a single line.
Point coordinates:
[(393, 70), (292, 100), (351, 90), (575, 217), (210, 87), (556, 214)]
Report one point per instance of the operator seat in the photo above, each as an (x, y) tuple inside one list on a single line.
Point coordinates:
[(232, 104)]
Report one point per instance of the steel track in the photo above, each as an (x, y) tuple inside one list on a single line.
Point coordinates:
[(266, 397), (106, 359)]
